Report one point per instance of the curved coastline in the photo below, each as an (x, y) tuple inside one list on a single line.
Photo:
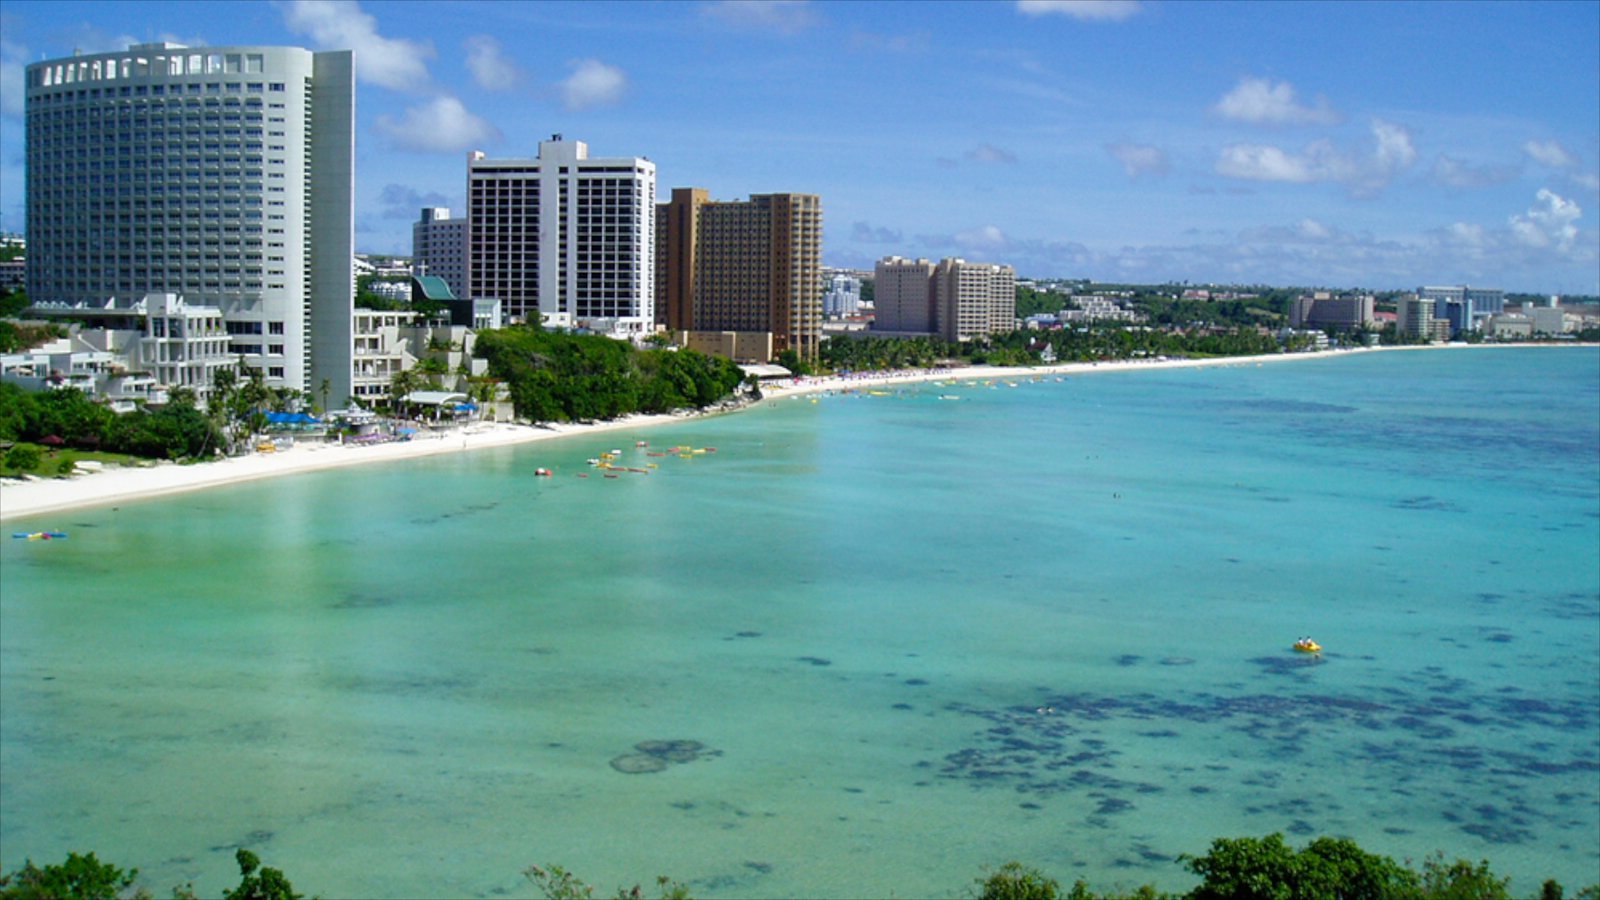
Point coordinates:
[(21, 499)]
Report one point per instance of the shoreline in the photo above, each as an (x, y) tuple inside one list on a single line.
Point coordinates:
[(22, 499)]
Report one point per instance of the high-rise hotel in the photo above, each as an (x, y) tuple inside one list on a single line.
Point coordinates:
[(742, 278), (223, 175), (955, 299), (564, 237)]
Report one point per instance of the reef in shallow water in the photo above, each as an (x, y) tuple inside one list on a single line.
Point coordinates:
[(655, 756)]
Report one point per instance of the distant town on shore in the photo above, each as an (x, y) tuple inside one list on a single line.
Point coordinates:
[(190, 212)]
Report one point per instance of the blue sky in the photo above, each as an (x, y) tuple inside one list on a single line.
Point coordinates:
[(1367, 144)]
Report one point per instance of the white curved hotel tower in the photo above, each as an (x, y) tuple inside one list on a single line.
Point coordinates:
[(224, 175)]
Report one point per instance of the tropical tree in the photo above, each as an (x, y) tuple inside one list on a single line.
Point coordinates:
[(401, 384), (1269, 869), (269, 884), (80, 878), (1014, 881)]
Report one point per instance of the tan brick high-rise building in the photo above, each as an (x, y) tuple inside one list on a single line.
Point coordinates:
[(749, 267)]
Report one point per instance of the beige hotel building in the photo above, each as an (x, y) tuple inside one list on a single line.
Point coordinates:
[(955, 299)]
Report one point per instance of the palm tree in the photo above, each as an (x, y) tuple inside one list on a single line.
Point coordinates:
[(401, 384)]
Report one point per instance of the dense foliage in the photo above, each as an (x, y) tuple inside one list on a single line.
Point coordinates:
[(1235, 868), (874, 354), (556, 377), (80, 878), (1022, 348), (15, 336), (1269, 869), (176, 431)]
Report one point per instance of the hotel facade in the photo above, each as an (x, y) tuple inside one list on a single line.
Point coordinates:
[(744, 274), (224, 176), (564, 238), (955, 299), (439, 247)]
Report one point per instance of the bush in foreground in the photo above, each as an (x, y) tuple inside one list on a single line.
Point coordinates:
[(1246, 868)]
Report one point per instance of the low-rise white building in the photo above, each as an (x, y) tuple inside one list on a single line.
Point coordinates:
[(388, 342), (136, 351)]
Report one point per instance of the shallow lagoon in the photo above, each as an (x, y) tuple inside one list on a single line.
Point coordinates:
[(413, 680)]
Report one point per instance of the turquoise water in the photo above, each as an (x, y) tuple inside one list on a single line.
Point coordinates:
[(912, 638)]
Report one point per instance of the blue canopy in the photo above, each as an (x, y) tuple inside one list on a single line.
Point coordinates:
[(277, 418)]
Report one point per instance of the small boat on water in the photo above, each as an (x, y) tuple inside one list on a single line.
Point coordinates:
[(543, 472), (1307, 645), (38, 535)]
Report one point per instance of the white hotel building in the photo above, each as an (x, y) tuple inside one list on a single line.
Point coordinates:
[(565, 237), (223, 176)]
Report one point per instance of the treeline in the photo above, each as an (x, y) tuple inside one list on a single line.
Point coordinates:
[(1268, 868), (1245, 868), (16, 336), (557, 377), (876, 354), (1017, 348), (178, 430)]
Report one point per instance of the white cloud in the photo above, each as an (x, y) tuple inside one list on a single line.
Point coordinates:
[(388, 62), (989, 237), (1550, 222), (1550, 153), (864, 233), (401, 202), (777, 16), (989, 153), (1467, 235), (489, 67), (1085, 10), (1454, 173), (1260, 102), (1255, 162), (442, 125), (1395, 150), (13, 78), (1312, 230), (1139, 159), (1322, 161), (593, 83)]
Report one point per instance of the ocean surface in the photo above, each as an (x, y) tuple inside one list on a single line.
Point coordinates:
[(868, 646)]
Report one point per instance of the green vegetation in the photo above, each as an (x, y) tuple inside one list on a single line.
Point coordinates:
[(1031, 302), (872, 354), (1083, 344), (1234, 868), (1269, 869), (266, 884), (16, 337), (366, 298), (79, 878), (1014, 881), (556, 883), (69, 418), (555, 377)]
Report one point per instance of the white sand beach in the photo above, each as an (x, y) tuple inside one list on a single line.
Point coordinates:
[(19, 498)]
